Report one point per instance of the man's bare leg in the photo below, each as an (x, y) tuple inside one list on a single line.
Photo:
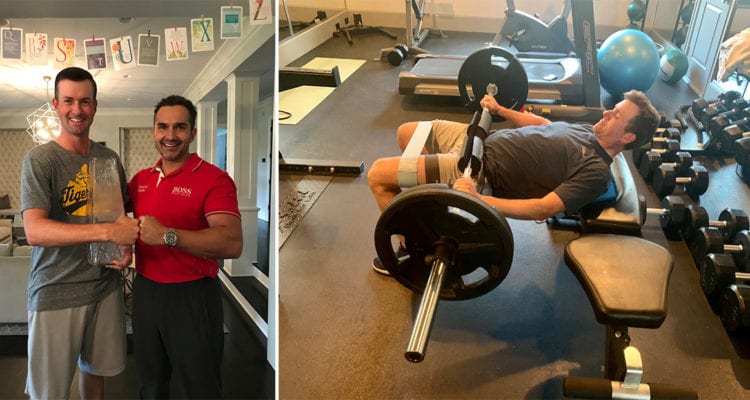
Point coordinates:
[(90, 386), (404, 133), (383, 179), (383, 174)]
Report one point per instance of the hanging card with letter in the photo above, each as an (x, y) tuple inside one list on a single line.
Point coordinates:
[(96, 53), (231, 22), (37, 45), (148, 49), (11, 42), (202, 34), (175, 43), (260, 12), (64, 51), (123, 54)]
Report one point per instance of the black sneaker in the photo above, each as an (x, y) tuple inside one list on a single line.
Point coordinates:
[(380, 268)]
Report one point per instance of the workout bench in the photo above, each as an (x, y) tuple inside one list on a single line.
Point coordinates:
[(623, 294), (617, 211)]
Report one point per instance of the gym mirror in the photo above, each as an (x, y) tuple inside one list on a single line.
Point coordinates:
[(296, 15)]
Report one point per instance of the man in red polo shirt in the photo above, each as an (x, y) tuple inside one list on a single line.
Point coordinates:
[(189, 219)]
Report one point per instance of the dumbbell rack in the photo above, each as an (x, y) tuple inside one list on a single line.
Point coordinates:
[(665, 165), (701, 114), (721, 252)]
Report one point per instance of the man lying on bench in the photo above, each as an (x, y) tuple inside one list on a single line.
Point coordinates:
[(535, 170)]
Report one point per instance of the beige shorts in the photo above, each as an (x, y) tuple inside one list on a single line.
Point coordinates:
[(444, 147), (93, 335)]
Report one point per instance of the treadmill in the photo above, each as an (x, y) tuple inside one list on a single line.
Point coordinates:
[(561, 87)]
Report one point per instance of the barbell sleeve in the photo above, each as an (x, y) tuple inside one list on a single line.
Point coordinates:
[(587, 388), (600, 388), (420, 334), (663, 391)]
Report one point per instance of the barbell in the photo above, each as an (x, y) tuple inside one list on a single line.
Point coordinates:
[(458, 246)]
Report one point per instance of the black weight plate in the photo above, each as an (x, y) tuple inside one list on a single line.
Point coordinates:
[(493, 65), (425, 213)]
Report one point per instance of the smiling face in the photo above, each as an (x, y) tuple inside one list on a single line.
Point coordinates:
[(75, 105), (173, 135), (611, 131)]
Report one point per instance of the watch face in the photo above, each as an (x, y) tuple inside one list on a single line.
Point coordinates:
[(170, 238)]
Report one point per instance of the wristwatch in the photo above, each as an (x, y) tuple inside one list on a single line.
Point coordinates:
[(170, 238)]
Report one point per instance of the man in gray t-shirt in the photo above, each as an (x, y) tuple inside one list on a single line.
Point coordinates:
[(534, 160), (76, 312), (537, 169)]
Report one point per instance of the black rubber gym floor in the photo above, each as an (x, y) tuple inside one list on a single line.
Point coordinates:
[(343, 328)]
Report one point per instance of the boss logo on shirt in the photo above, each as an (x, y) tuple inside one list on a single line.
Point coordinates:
[(142, 188), (181, 191)]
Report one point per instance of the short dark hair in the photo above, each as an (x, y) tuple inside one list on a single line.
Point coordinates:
[(75, 74), (644, 124), (175, 100)]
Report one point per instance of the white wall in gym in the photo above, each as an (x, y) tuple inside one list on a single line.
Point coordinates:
[(472, 16)]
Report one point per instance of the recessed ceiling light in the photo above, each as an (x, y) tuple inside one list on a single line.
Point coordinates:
[(127, 20), (127, 76), (4, 21)]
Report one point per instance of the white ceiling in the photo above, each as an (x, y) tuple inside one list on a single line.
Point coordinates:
[(22, 86)]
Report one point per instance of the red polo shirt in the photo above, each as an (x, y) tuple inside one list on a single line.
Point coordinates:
[(181, 200)]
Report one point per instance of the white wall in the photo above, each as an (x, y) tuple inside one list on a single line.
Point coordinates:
[(461, 15)]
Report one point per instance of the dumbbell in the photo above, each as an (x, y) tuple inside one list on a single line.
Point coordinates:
[(671, 216), (652, 160), (667, 133), (704, 111), (665, 123), (718, 271), (665, 180), (667, 148), (722, 114), (730, 222), (700, 105), (742, 151), (734, 307), (398, 54), (721, 121), (709, 240), (736, 131)]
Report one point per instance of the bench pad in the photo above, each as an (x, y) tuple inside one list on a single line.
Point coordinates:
[(624, 277)]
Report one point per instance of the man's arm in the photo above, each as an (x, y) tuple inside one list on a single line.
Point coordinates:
[(42, 231), (531, 209), (534, 209), (222, 238), (517, 118)]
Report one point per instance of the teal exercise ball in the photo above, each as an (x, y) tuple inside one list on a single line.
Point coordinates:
[(628, 60), (673, 65), (636, 10)]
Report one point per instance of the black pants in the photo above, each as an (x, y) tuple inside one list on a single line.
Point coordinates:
[(178, 329)]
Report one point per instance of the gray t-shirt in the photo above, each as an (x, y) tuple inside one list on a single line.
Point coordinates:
[(525, 163), (56, 180)]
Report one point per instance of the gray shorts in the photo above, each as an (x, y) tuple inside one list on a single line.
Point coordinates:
[(93, 335)]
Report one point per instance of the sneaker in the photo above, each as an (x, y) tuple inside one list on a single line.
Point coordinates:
[(378, 266)]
